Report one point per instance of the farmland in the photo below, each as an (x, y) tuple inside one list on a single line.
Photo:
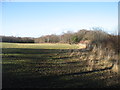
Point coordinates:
[(52, 66)]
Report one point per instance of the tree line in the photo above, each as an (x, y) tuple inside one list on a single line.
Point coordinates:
[(74, 37), (97, 37), (12, 39)]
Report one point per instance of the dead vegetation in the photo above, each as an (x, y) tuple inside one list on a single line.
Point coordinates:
[(98, 57)]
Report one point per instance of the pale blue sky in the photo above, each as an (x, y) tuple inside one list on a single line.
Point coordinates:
[(33, 19)]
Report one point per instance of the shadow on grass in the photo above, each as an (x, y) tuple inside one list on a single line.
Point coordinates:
[(37, 51), (93, 71), (55, 81), (35, 80), (28, 51)]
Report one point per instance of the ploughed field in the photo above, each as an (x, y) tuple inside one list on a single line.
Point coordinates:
[(52, 66)]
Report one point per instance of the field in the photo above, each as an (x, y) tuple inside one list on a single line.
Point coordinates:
[(52, 66)]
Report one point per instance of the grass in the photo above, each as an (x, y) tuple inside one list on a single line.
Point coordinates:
[(49, 66), (39, 46)]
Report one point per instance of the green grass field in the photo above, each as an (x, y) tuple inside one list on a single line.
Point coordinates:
[(50, 66)]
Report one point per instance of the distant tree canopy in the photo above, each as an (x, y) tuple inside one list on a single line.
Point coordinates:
[(13, 39), (75, 39), (71, 38), (68, 37), (48, 39)]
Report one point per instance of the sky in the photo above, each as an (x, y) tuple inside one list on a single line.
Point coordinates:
[(34, 19)]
